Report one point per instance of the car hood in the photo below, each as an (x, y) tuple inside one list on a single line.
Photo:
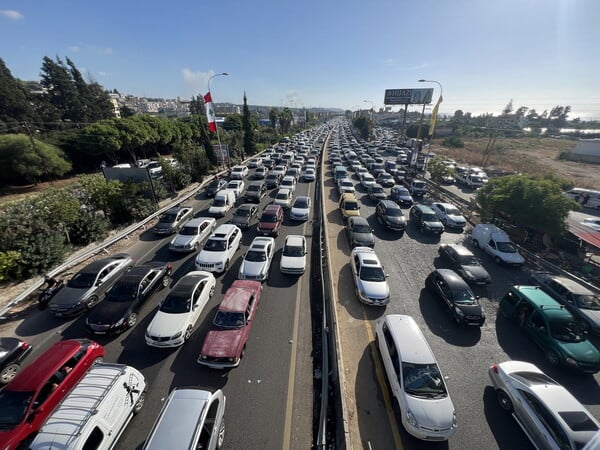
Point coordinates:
[(584, 351), (267, 225), (375, 289), (514, 258), (404, 198), (293, 262), (183, 240), (163, 226), (217, 209), (210, 257), (299, 211), (434, 225), (69, 296), (253, 268), (434, 413), (475, 272), (366, 238), (238, 220), (164, 324), (457, 218), (396, 219), (223, 343), (107, 313), (471, 310)]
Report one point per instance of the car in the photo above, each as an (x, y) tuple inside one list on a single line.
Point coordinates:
[(224, 200), (424, 218), (349, 206), (257, 260), (177, 314), (449, 215), (591, 222), (464, 262), (119, 310), (237, 186), (244, 215), (293, 255), (288, 182), (496, 242), (13, 352), (293, 172), (550, 416), (300, 208), (172, 220), (370, 281), (87, 287), (456, 294), (279, 170), (283, 198), (260, 173), (579, 300), (400, 195), (390, 215), (310, 174), (256, 191), (386, 180), (36, 391), (238, 172), (272, 180), (192, 234), (225, 343), (415, 379), (345, 185), (551, 327), (255, 163), (360, 233), (219, 249), (270, 221), (367, 180)]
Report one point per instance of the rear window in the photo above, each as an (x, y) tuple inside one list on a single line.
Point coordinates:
[(578, 420), (532, 378)]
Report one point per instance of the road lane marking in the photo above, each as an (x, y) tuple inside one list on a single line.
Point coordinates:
[(382, 382)]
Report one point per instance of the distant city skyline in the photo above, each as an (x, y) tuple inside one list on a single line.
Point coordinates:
[(539, 53)]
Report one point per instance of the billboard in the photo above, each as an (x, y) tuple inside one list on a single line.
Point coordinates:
[(125, 175), (222, 152), (408, 96)]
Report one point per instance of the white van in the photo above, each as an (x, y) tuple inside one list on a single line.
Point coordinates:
[(495, 242), (587, 198), (224, 201), (96, 411)]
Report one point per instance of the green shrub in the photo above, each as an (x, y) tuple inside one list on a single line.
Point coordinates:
[(89, 228), (9, 265), (453, 141)]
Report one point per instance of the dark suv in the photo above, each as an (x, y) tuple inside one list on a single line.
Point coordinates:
[(425, 219), (391, 216), (255, 191)]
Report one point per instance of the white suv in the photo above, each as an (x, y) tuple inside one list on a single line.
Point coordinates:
[(238, 172), (219, 249)]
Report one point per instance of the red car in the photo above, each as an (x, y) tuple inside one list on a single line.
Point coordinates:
[(32, 395), (270, 221), (225, 343)]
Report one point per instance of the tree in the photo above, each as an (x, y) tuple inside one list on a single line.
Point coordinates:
[(249, 126), (285, 120), (364, 126), (274, 117), (61, 91), (126, 111), (14, 104), (197, 106), (438, 169), (508, 108), (534, 202)]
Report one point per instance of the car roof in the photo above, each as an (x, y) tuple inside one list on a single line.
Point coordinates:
[(409, 339), (283, 191), (175, 210), (367, 256), (197, 221), (224, 229), (452, 278), (358, 220), (187, 283), (237, 296), (260, 242), (96, 266), (390, 204), (138, 272), (348, 196), (546, 304), (423, 208), (571, 285), (460, 249), (272, 208), (295, 240)]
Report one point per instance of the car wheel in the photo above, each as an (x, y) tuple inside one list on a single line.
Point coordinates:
[(226, 266), (92, 301), (504, 400), (221, 436), (552, 357), (165, 281), (475, 243), (140, 402), (8, 373), (188, 333), (131, 320), (211, 292)]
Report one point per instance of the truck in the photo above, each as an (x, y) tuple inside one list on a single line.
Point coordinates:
[(415, 186)]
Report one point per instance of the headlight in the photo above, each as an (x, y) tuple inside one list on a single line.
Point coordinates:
[(468, 274), (231, 359), (175, 336), (459, 311), (203, 357), (120, 322), (571, 362), (411, 419), (453, 420)]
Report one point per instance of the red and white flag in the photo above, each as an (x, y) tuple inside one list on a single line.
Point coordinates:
[(210, 113)]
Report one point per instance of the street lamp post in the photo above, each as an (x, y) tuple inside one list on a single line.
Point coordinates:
[(216, 125)]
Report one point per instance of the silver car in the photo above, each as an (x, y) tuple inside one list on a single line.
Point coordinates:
[(549, 415), (193, 233)]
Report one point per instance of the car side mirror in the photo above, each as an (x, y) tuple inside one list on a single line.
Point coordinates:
[(99, 283), (477, 297), (387, 275)]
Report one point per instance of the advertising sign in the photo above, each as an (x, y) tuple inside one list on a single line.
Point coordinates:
[(222, 152), (408, 96)]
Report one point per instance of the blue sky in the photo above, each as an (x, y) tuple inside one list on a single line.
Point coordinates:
[(540, 53)]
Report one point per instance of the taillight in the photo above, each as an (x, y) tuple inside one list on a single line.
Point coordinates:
[(24, 345), (495, 368), (169, 266)]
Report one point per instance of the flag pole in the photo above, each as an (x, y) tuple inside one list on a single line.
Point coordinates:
[(216, 125)]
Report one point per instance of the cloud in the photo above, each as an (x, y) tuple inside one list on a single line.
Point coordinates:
[(11, 14), (292, 99), (74, 48), (106, 51), (105, 74), (196, 80), (391, 62)]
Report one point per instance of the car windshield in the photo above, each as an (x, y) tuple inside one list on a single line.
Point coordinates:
[(578, 420), (82, 280), (377, 189), (242, 212), (566, 329), (351, 206), (469, 260), (215, 245), (168, 218), (588, 301), (293, 250), (361, 228), (463, 297), (452, 211), (253, 188), (176, 304), (506, 247), (13, 406), (123, 292), (227, 319), (270, 218), (428, 217), (282, 196), (256, 256), (301, 203), (189, 231), (402, 192), (423, 380), (394, 212), (372, 274), (419, 184), (214, 184), (219, 202)]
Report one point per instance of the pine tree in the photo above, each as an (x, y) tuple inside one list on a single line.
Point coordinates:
[(248, 126)]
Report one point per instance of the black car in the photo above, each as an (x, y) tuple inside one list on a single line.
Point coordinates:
[(244, 215), (120, 308), (360, 233), (215, 186), (272, 180), (465, 263), (376, 192), (391, 216), (425, 219), (12, 353), (457, 295), (173, 219)]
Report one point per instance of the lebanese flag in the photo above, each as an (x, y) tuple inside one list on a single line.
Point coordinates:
[(210, 113)]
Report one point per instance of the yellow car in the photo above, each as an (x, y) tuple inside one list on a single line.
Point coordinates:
[(349, 206)]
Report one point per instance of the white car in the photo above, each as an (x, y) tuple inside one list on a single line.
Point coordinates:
[(293, 255), (300, 208), (238, 172), (257, 260), (449, 215), (283, 198), (279, 170), (219, 249), (192, 234), (345, 185), (366, 180), (288, 182), (177, 314), (236, 186), (370, 280), (310, 174), (415, 379)]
